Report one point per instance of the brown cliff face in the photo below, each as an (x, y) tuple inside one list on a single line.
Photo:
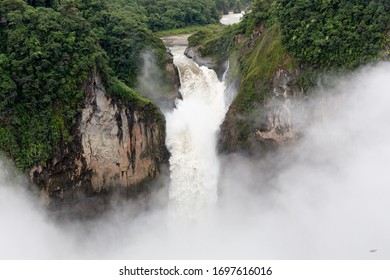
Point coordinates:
[(115, 148)]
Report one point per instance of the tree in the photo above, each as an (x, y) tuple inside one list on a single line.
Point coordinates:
[(237, 7)]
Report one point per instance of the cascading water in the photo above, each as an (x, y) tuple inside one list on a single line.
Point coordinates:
[(192, 131)]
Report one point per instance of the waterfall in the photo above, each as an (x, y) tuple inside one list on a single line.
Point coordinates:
[(192, 131)]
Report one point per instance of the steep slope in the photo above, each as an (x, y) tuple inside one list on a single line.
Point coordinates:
[(69, 115), (279, 51), (260, 115), (117, 146)]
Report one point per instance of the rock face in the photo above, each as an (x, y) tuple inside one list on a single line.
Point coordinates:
[(160, 86), (194, 53), (273, 123), (118, 143), (115, 147), (219, 66), (261, 117), (174, 79), (237, 10), (278, 123)]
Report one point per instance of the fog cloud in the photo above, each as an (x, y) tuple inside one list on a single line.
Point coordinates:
[(324, 197)]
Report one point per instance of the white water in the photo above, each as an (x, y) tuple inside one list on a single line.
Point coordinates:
[(192, 130), (326, 197), (231, 18)]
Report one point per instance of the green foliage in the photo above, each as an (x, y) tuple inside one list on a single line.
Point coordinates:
[(124, 36), (222, 6), (220, 42), (46, 57), (187, 30), (217, 42), (334, 33), (258, 67), (171, 14), (237, 7), (48, 48), (318, 36), (262, 13), (213, 41), (43, 3), (118, 89)]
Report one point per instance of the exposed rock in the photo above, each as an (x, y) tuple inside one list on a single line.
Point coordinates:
[(3, 21), (238, 39), (194, 53), (160, 86), (272, 126), (279, 124), (237, 10), (115, 147), (174, 78), (258, 30), (219, 66)]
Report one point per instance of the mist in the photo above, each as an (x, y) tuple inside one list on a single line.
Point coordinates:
[(152, 83), (326, 196)]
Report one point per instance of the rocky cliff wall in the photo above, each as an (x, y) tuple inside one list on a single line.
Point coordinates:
[(271, 125), (218, 65), (261, 116), (115, 148)]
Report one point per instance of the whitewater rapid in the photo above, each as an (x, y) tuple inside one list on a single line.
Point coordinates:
[(192, 131)]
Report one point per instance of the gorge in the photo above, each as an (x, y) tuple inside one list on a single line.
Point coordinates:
[(309, 182), (309, 189), (192, 132)]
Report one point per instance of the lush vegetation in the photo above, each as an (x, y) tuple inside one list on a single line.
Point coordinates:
[(334, 33), (48, 49), (170, 14), (45, 56), (231, 5), (320, 34), (312, 36), (188, 30)]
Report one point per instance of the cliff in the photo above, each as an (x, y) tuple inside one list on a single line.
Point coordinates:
[(217, 64), (267, 80), (271, 81), (115, 147), (260, 117), (277, 53)]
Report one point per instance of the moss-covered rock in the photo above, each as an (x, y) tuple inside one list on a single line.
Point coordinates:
[(259, 115)]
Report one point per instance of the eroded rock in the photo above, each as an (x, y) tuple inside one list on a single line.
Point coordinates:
[(115, 147)]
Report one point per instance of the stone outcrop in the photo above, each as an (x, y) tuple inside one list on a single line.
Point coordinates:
[(115, 147), (219, 66), (195, 54), (273, 124), (261, 117), (174, 79), (160, 86), (278, 122)]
